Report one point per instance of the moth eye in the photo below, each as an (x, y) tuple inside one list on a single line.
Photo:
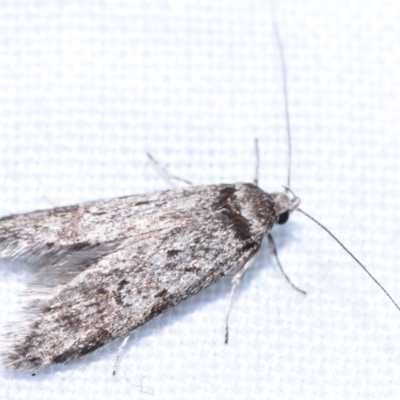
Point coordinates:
[(283, 218)]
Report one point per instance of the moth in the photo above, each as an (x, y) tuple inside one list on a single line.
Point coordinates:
[(104, 268)]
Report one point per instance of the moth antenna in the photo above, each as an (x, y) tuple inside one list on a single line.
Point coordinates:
[(351, 255), (285, 95)]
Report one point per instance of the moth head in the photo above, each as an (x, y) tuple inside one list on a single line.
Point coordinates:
[(285, 203)]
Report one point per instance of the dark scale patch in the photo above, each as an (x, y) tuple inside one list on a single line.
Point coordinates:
[(228, 207), (49, 245), (46, 310), (99, 213), (171, 253), (161, 306), (193, 270), (118, 298), (62, 358), (222, 197), (237, 223), (196, 240), (241, 227), (101, 291), (161, 293), (79, 246), (170, 266), (250, 245), (142, 203), (122, 283), (35, 362)]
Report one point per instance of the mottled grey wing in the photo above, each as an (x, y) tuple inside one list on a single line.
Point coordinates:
[(158, 250), (43, 238)]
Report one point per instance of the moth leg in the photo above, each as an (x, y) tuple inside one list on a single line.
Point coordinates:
[(235, 282), (257, 151), (165, 171), (274, 252), (120, 350)]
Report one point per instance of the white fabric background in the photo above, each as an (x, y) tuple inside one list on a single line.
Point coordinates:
[(86, 88)]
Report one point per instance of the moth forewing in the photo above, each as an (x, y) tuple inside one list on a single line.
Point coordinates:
[(112, 265)]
